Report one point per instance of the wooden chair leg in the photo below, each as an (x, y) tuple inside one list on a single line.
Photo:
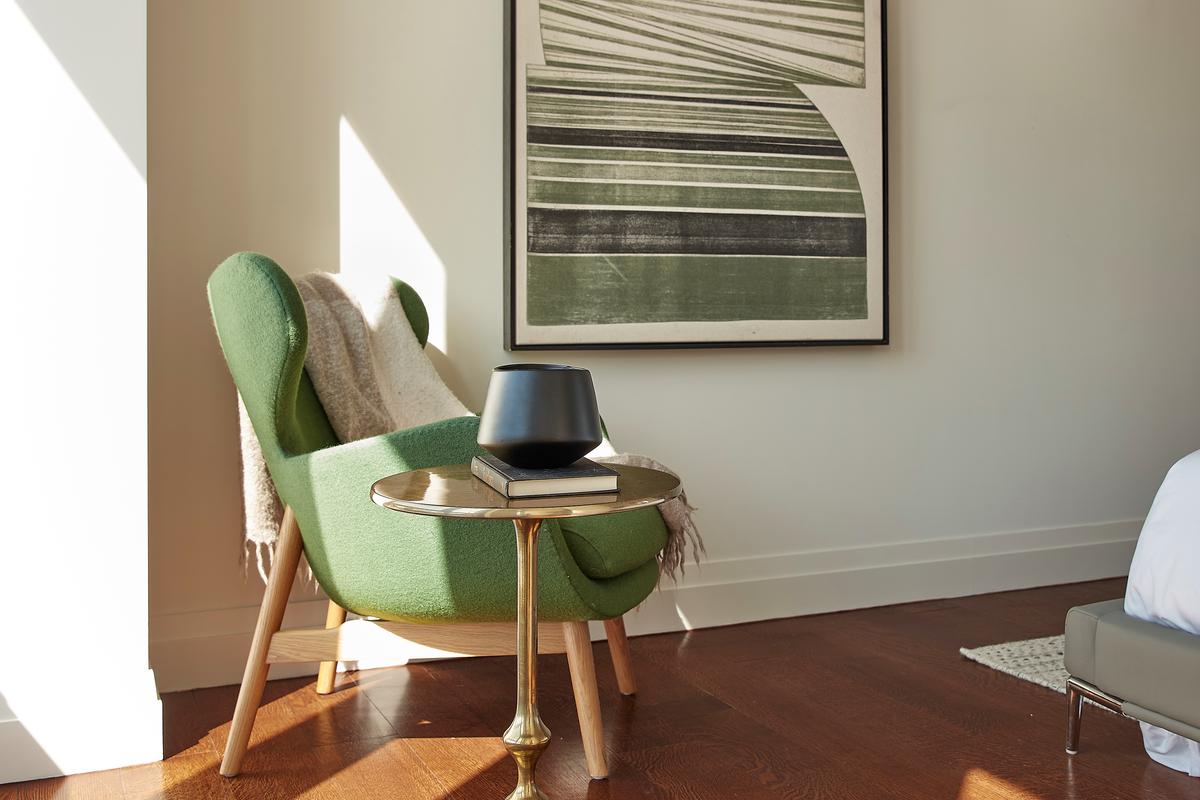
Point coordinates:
[(618, 646), (270, 616), (335, 615), (587, 698)]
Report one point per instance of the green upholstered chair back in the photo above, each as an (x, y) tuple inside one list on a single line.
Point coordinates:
[(373, 561), (263, 331)]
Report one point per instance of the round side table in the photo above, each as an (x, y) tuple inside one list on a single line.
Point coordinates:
[(452, 491)]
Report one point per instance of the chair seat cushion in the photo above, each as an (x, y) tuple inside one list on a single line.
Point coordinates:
[(613, 544), (1149, 665)]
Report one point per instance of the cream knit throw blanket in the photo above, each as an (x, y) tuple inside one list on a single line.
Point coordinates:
[(373, 377)]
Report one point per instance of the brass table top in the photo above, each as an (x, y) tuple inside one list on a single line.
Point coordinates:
[(452, 491)]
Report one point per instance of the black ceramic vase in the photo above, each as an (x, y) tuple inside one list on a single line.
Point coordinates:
[(540, 416)]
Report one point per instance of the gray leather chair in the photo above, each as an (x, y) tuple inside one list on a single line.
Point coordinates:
[(1136, 668)]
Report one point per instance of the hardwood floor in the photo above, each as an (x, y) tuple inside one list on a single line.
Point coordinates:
[(863, 704)]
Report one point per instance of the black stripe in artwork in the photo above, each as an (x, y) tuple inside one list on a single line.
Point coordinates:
[(675, 140), (554, 230), (722, 101)]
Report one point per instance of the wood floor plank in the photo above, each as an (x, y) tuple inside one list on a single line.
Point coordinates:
[(858, 705), (293, 717), (187, 724), (417, 704), (91, 786), (362, 769), (187, 776), (432, 708), (487, 688)]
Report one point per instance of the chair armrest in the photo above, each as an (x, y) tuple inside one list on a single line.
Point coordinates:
[(1079, 646)]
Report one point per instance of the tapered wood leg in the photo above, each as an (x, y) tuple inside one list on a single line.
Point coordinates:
[(270, 616), (587, 698), (335, 615), (618, 646)]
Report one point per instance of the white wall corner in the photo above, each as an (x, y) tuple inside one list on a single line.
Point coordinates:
[(79, 697), (66, 724)]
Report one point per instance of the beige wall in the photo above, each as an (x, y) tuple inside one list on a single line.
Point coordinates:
[(1045, 187)]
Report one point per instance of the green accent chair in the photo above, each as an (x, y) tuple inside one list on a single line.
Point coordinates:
[(444, 582)]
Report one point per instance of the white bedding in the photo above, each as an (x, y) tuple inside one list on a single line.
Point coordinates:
[(1164, 587)]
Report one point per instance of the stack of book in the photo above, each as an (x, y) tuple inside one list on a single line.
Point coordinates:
[(584, 477)]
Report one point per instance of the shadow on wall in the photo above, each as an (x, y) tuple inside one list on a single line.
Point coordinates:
[(80, 33)]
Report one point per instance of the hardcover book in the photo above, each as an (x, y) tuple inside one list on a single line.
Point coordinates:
[(582, 477), (592, 499)]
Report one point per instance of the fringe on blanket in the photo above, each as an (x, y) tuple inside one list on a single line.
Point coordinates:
[(678, 516), (261, 505)]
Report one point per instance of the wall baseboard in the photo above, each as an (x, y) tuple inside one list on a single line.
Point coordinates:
[(58, 723), (208, 648)]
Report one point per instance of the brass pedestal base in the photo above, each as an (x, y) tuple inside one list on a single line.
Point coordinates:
[(526, 750), (452, 491), (527, 737)]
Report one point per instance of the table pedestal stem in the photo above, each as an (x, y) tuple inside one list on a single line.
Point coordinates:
[(527, 736)]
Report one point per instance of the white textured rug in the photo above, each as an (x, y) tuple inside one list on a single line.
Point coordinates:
[(1038, 661)]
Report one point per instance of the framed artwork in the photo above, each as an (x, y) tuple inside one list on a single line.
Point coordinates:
[(695, 173)]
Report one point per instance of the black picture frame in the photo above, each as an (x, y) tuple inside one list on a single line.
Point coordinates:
[(511, 239)]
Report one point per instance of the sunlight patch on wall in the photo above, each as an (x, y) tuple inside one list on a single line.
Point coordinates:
[(379, 237), (73, 205), (683, 619)]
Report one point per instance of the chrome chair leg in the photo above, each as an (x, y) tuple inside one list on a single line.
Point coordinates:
[(1074, 717), (1076, 691)]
